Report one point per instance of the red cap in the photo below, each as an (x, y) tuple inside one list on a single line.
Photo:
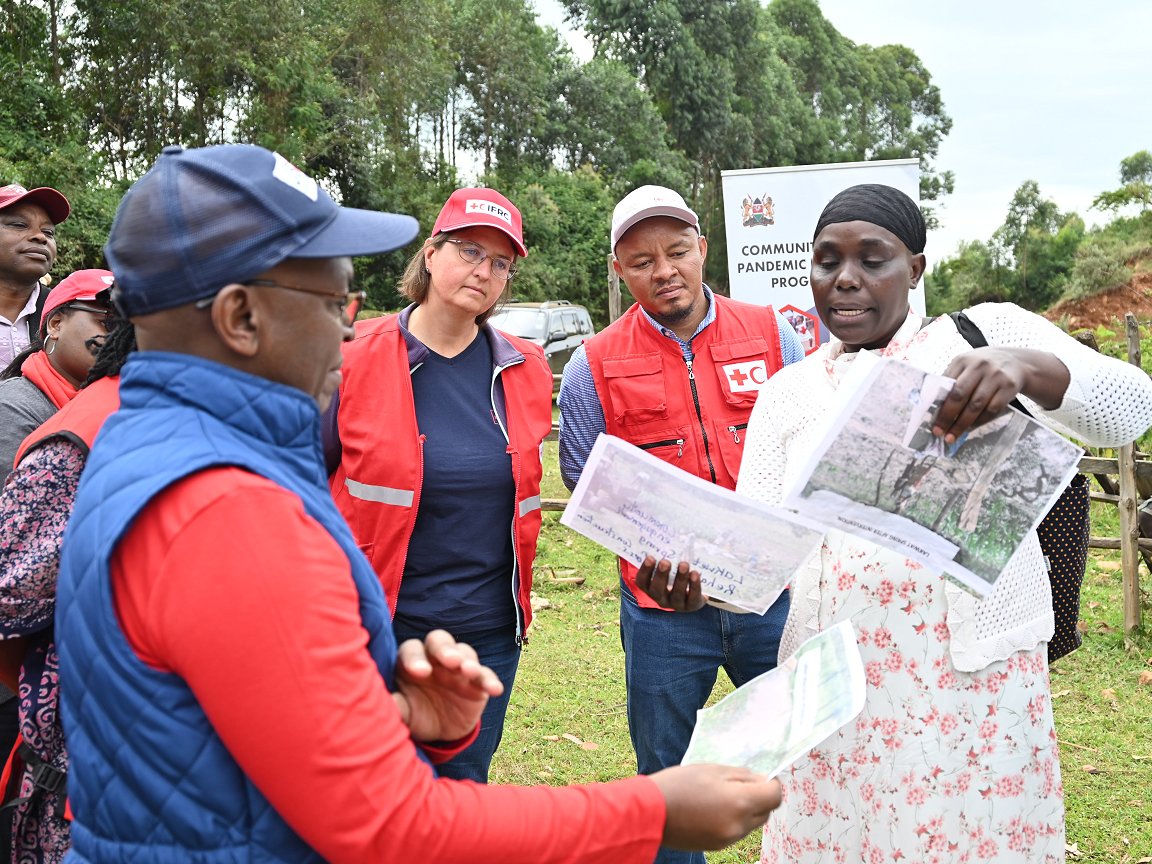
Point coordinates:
[(468, 207), (54, 204), (80, 285)]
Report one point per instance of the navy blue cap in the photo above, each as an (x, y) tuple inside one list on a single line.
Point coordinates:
[(205, 217)]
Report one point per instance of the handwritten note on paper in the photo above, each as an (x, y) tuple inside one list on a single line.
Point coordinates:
[(635, 505), (780, 715)]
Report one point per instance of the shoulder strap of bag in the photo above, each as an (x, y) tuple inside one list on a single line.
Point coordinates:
[(974, 337)]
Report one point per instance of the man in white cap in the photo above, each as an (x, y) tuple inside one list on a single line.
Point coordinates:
[(676, 375)]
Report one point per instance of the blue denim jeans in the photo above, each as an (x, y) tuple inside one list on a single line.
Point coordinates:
[(498, 650), (670, 665)]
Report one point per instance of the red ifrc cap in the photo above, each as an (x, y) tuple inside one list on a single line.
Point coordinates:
[(54, 204), (79, 285), (475, 206)]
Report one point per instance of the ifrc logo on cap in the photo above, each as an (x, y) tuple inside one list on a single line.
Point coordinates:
[(479, 205), (290, 175), (742, 377), (15, 189)]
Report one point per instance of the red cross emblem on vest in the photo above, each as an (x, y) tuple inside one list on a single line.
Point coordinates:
[(742, 377)]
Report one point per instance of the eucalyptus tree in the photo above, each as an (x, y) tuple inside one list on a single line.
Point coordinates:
[(1042, 242), (44, 134), (869, 102), (607, 121), (507, 66), (1136, 188)]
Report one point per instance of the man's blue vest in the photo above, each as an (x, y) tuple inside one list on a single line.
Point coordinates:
[(149, 779)]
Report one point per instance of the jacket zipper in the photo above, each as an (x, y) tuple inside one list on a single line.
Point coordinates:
[(700, 417), (679, 442), (393, 602), (735, 430), (521, 639), (413, 510)]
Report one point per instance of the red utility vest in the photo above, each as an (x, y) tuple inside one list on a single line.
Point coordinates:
[(377, 483), (80, 419), (691, 418)]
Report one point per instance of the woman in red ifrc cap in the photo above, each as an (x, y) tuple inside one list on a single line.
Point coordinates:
[(434, 448), (39, 381)]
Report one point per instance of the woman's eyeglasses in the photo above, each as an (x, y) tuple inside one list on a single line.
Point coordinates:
[(103, 312), (475, 255)]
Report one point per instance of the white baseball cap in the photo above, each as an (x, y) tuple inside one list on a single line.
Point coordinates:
[(646, 202)]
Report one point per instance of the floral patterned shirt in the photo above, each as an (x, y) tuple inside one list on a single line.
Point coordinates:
[(35, 505)]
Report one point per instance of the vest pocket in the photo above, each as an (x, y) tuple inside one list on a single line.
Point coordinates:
[(636, 387), (742, 367), (729, 436), (667, 444), (665, 447)]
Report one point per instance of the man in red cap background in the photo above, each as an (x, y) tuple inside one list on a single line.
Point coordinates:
[(28, 220)]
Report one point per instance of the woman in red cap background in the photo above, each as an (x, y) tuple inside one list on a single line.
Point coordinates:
[(35, 506), (28, 220), (433, 445), (39, 381)]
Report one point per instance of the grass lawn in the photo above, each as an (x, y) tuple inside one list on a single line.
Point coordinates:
[(566, 722)]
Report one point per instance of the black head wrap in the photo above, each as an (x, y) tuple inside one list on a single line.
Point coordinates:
[(881, 205)]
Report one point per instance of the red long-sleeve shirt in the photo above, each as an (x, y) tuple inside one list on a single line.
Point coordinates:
[(225, 581)]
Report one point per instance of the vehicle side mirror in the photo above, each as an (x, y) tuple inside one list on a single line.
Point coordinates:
[(556, 334)]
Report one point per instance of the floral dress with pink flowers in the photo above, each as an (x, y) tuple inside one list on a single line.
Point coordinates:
[(941, 765), (954, 757)]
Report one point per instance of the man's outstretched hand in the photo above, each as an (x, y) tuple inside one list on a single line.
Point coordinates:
[(712, 806), (441, 687)]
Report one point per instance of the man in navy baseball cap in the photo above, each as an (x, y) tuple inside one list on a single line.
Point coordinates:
[(231, 687)]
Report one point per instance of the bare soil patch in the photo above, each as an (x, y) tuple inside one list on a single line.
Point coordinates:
[(1105, 310)]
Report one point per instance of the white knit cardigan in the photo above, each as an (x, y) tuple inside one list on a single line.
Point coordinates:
[(1107, 403)]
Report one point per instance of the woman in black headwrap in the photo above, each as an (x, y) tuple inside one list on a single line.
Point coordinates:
[(954, 756)]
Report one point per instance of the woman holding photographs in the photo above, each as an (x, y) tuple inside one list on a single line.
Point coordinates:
[(954, 757)]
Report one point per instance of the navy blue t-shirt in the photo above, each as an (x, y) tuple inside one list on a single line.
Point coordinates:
[(458, 574)]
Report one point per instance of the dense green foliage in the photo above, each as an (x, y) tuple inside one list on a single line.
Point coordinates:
[(1040, 256), (392, 104)]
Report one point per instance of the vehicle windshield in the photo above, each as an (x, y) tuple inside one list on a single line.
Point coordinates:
[(525, 323)]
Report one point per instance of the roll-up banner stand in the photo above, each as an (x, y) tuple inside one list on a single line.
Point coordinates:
[(769, 215)]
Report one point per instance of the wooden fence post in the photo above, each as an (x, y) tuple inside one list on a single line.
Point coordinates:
[(1129, 521), (613, 292)]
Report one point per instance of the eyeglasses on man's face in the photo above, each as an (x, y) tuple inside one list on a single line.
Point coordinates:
[(348, 304), (475, 255)]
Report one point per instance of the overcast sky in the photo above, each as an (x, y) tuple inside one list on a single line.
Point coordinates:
[(1049, 90)]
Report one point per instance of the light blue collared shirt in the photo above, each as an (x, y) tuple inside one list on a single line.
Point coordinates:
[(582, 415)]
